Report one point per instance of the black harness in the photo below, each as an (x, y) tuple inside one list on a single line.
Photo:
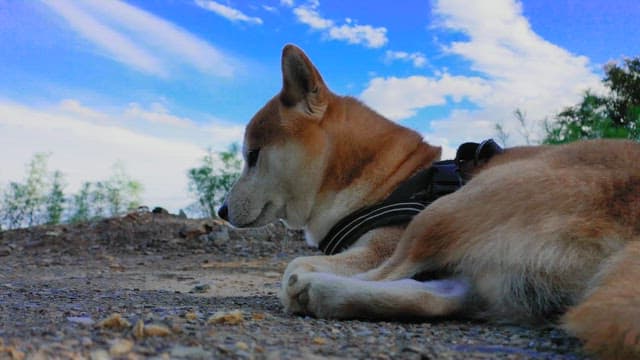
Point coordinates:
[(411, 197)]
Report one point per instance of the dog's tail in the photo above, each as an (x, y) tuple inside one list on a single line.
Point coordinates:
[(608, 319)]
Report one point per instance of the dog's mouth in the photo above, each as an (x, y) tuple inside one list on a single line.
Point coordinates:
[(260, 219)]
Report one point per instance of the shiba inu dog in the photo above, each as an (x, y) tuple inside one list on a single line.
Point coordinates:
[(537, 234)]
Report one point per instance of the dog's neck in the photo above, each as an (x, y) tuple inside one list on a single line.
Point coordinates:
[(364, 166)]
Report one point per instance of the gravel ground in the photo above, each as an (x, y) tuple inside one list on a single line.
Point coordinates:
[(158, 286)]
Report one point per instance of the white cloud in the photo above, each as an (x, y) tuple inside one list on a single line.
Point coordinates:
[(416, 58), (227, 12), (400, 98), (357, 34), (518, 69), (84, 149), (271, 9), (157, 113), (311, 17), (287, 3), (74, 107), (369, 36), (141, 40)]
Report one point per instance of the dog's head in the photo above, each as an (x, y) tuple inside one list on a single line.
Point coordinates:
[(283, 150), (312, 156)]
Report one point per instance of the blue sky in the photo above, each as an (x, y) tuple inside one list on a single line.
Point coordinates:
[(154, 83)]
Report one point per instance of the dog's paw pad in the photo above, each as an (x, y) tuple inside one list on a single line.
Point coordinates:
[(293, 279), (303, 296)]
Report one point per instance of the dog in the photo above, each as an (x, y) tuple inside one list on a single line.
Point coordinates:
[(537, 234)]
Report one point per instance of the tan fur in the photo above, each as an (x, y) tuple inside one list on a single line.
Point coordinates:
[(538, 232)]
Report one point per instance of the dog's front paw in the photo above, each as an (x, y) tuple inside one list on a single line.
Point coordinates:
[(294, 294), (315, 294), (294, 270)]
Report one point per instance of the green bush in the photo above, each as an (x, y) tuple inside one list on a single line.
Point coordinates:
[(614, 115), (212, 180), (40, 198)]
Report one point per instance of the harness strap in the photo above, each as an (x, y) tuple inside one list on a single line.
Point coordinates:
[(410, 198), (351, 228)]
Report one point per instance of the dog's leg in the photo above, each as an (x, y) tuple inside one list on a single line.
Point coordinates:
[(332, 296), (418, 250), (377, 246), (392, 295), (608, 320)]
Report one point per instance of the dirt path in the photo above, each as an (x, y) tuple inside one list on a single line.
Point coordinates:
[(187, 289)]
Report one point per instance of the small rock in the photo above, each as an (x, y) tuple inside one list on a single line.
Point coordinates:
[(156, 330), (99, 355), (220, 237), (272, 274), (159, 210), (200, 289), (114, 321), (121, 347), (83, 320), (138, 329), (5, 251), (191, 316), (143, 209), (86, 342), (319, 340), (189, 352), (13, 353), (232, 318)]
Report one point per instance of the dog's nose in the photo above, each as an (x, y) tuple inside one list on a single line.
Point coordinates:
[(223, 212)]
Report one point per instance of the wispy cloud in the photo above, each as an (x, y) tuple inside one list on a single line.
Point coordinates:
[(352, 33), (416, 58), (75, 108), (518, 69), (140, 39), (287, 3), (271, 9), (157, 113), (228, 12)]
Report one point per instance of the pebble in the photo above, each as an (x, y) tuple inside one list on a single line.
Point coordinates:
[(232, 317), (83, 320), (114, 321), (5, 251), (200, 289), (189, 352), (120, 347), (99, 355)]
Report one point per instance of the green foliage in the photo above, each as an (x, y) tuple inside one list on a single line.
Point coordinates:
[(615, 115), (22, 202), (212, 180), (120, 192), (81, 207), (40, 198), (55, 200), (117, 195)]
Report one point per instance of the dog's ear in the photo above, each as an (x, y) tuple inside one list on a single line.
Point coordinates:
[(302, 85)]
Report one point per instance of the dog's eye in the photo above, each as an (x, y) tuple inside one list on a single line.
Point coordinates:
[(252, 157)]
